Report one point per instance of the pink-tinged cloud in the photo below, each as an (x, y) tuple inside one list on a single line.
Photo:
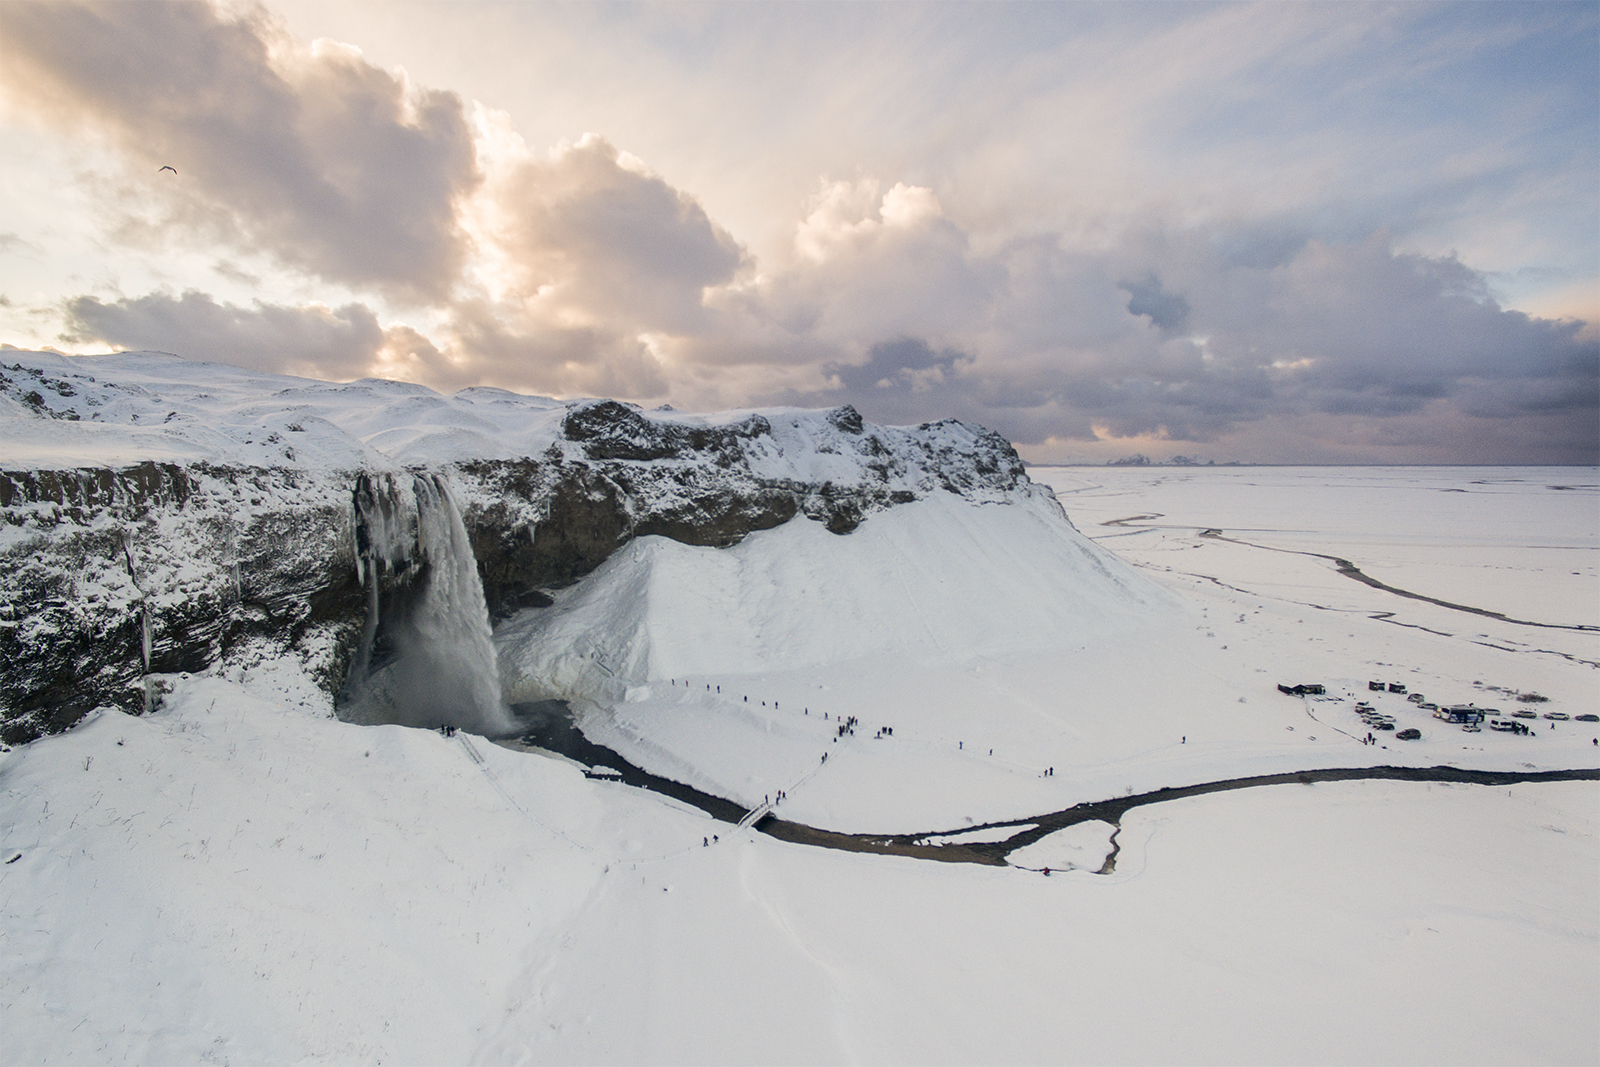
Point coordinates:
[(308, 154)]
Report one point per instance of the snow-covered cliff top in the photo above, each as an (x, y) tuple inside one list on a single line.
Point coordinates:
[(115, 410)]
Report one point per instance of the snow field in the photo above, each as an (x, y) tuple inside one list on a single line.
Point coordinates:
[(244, 881)]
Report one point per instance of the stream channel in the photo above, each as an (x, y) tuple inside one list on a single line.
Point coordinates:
[(548, 725)]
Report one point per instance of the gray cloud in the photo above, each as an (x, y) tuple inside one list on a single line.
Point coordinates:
[(335, 343), (1354, 331), (1169, 312), (311, 155)]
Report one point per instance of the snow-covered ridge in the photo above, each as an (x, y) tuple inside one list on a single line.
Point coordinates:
[(60, 412), (164, 515)]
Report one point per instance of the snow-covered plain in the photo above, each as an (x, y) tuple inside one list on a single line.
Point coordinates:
[(233, 880), (241, 878)]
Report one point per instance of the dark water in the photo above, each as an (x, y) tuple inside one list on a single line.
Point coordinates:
[(548, 724)]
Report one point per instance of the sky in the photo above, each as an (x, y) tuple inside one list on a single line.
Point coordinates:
[(1292, 233)]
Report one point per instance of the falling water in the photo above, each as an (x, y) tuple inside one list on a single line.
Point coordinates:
[(443, 669)]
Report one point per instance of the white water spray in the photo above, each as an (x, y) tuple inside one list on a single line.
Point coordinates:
[(443, 671)]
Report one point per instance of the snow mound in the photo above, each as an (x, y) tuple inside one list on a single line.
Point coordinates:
[(937, 580)]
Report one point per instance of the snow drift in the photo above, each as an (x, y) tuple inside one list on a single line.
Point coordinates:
[(940, 579)]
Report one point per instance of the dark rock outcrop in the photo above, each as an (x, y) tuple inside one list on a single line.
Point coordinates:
[(114, 575)]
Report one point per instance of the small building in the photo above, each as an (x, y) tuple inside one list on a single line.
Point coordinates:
[(1396, 687), (1376, 687), (1306, 689)]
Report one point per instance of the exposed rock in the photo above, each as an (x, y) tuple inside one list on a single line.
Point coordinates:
[(208, 562)]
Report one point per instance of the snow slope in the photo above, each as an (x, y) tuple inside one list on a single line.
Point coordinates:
[(938, 580)]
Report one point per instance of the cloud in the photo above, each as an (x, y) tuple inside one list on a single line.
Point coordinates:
[(589, 235), (1193, 343), (1169, 312), (580, 271), (319, 342), (304, 152)]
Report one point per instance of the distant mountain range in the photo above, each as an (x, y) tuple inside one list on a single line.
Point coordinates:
[(1139, 459)]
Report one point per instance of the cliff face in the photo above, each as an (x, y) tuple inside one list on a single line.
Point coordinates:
[(162, 568), (619, 473), (121, 572)]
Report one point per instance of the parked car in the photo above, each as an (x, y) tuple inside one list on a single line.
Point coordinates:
[(1524, 713), (1587, 718), (1428, 707), (1558, 716), (1415, 698), (1409, 734)]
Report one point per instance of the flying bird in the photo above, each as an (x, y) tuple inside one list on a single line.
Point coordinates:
[(174, 170)]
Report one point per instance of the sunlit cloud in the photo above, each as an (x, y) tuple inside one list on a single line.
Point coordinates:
[(386, 228)]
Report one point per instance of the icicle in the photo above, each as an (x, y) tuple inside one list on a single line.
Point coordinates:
[(146, 632)]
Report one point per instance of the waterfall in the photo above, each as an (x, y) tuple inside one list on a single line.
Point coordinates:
[(428, 660)]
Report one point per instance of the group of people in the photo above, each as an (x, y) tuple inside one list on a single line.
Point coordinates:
[(447, 731)]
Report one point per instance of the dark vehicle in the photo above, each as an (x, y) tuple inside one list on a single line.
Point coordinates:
[(1587, 718), (1410, 734)]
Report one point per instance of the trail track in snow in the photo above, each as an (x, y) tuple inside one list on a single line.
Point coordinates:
[(1346, 568), (1350, 570)]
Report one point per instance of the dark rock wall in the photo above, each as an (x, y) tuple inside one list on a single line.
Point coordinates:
[(216, 563)]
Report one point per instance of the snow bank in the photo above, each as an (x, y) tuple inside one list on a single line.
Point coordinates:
[(938, 580)]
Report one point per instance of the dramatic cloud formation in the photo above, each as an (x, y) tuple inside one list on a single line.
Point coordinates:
[(453, 253), (307, 153)]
